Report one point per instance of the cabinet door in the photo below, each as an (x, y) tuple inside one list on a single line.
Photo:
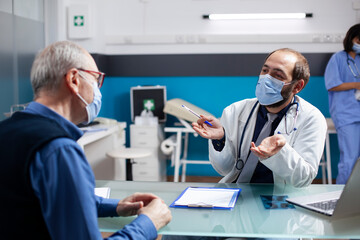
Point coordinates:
[(152, 168), (149, 169), (144, 136)]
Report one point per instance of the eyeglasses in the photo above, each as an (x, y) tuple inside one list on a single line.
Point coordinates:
[(99, 78), (351, 69)]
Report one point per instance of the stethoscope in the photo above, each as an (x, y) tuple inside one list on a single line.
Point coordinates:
[(348, 60), (239, 162)]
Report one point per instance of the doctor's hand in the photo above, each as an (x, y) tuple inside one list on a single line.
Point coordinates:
[(130, 205), (215, 131), (269, 146)]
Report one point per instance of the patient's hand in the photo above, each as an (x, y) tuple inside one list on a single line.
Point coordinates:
[(269, 146), (130, 205)]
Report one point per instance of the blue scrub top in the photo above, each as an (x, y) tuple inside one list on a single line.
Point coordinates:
[(344, 108)]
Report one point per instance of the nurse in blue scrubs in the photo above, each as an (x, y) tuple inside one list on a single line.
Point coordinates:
[(342, 80)]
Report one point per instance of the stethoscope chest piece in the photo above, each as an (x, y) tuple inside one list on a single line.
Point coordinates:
[(239, 164)]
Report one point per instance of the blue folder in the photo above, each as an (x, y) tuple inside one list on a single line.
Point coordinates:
[(207, 201)]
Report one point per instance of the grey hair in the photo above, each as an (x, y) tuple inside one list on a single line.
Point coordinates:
[(52, 63)]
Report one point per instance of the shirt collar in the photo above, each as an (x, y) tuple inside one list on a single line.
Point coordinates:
[(42, 110), (263, 111)]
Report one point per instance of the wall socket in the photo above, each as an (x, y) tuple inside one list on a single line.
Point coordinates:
[(328, 38), (356, 4)]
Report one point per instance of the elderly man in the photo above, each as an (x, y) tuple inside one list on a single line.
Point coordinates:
[(47, 185), (276, 137)]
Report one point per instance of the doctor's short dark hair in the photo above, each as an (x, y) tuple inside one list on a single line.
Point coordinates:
[(301, 69), (353, 32)]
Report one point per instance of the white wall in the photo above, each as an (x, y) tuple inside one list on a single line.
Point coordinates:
[(176, 26)]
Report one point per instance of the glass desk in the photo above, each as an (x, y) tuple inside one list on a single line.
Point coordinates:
[(249, 218)]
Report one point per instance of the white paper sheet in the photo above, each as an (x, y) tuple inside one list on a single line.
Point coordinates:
[(208, 197), (102, 192)]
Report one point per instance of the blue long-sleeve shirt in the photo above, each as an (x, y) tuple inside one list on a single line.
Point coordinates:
[(63, 181)]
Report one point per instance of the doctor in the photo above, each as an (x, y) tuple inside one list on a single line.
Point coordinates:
[(291, 152)]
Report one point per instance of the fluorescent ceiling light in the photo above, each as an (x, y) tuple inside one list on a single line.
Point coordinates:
[(250, 16)]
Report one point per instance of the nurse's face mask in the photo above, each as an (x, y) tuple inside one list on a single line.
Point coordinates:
[(268, 90), (356, 48), (93, 108)]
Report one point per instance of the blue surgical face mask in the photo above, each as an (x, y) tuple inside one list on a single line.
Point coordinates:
[(356, 48), (93, 108), (268, 90)]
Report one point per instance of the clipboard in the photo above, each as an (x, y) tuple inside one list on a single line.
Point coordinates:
[(205, 197)]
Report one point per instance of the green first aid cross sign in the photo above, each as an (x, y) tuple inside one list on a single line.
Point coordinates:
[(78, 21), (149, 104)]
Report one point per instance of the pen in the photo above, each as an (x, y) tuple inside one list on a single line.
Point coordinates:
[(196, 114)]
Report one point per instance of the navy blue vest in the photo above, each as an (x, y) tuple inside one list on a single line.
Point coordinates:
[(20, 137)]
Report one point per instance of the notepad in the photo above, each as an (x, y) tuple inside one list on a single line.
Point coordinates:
[(201, 197), (102, 192)]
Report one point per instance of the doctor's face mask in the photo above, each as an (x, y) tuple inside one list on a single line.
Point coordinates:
[(268, 90)]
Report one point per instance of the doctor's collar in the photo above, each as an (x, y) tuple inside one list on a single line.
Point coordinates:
[(263, 111)]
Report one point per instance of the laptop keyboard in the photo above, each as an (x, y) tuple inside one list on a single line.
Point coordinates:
[(325, 205)]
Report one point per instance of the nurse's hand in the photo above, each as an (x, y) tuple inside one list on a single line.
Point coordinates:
[(269, 146), (215, 131)]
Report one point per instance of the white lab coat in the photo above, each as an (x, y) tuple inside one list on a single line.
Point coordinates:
[(296, 163)]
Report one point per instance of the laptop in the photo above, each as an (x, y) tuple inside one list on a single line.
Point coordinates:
[(336, 204)]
